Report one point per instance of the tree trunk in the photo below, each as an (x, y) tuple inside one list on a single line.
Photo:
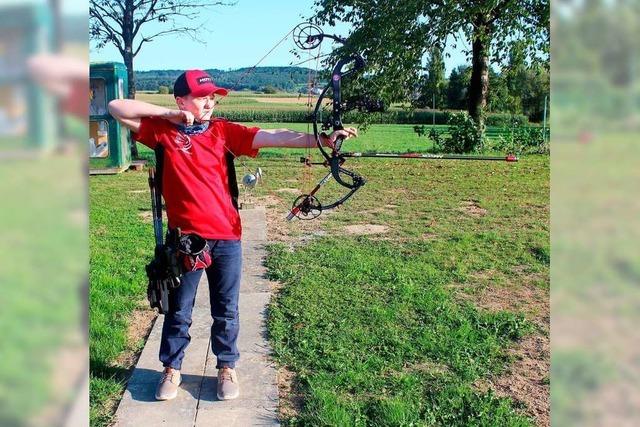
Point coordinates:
[(128, 62), (127, 55), (479, 86)]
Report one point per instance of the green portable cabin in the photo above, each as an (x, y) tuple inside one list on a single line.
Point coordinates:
[(27, 112), (109, 143)]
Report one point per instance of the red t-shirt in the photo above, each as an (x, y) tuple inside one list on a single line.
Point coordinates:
[(195, 182)]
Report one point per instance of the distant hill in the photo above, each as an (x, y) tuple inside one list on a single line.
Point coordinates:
[(288, 79)]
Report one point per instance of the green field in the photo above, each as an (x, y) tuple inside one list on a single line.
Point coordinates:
[(379, 327), (374, 327), (287, 107), (239, 101)]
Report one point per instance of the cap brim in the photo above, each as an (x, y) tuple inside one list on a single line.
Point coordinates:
[(209, 91), (221, 91)]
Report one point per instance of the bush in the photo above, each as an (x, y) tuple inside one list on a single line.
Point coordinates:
[(269, 89), (465, 136), (503, 120), (163, 90), (387, 117), (523, 140)]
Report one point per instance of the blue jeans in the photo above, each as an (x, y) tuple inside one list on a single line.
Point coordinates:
[(224, 289)]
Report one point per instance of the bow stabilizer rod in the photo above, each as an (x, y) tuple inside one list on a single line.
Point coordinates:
[(421, 156)]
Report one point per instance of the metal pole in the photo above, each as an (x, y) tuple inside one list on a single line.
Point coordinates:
[(544, 123), (433, 111), (508, 158)]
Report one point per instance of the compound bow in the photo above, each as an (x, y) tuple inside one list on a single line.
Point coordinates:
[(307, 206), (308, 36)]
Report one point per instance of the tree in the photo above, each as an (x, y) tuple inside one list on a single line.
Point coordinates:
[(500, 99), (458, 87), (527, 86), (433, 86), (395, 36), (120, 23)]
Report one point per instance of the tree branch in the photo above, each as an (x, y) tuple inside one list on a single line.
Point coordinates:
[(106, 24), (136, 27), (111, 14), (498, 11)]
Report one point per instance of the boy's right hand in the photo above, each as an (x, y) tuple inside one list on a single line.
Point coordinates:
[(179, 117)]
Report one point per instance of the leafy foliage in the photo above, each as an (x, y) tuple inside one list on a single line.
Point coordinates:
[(521, 140), (433, 86), (395, 36), (120, 23), (465, 135), (269, 89), (387, 117), (458, 87)]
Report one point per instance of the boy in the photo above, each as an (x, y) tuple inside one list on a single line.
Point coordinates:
[(199, 201)]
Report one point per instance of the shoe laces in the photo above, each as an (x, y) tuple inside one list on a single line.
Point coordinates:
[(226, 374), (168, 376)]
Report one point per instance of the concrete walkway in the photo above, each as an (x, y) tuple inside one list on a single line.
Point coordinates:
[(197, 404)]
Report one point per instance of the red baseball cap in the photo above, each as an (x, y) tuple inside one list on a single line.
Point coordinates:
[(196, 83)]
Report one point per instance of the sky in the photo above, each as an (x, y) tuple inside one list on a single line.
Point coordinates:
[(236, 36)]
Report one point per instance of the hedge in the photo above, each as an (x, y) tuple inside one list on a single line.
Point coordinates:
[(388, 117)]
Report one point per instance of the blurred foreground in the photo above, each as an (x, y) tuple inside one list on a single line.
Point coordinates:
[(43, 277), (595, 209)]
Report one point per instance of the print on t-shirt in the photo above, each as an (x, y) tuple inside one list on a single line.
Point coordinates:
[(183, 142)]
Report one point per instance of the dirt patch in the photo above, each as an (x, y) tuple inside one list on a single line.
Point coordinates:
[(362, 229), (139, 328), (289, 394), (267, 201), (527, 379), (427, 368), (288, 190), (295, 232), (137, 191), (493, 291), (101, 230), (472, 208), (146, 216)]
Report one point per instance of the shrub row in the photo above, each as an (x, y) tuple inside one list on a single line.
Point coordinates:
[(465, 136), (388, 117)]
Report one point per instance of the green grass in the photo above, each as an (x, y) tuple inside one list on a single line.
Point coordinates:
[(255, 107), (376, 338), (120, 245), (381, 138), (371, 326)]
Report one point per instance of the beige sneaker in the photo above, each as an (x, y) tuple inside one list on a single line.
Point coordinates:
[(228, 387), (168, 386)]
